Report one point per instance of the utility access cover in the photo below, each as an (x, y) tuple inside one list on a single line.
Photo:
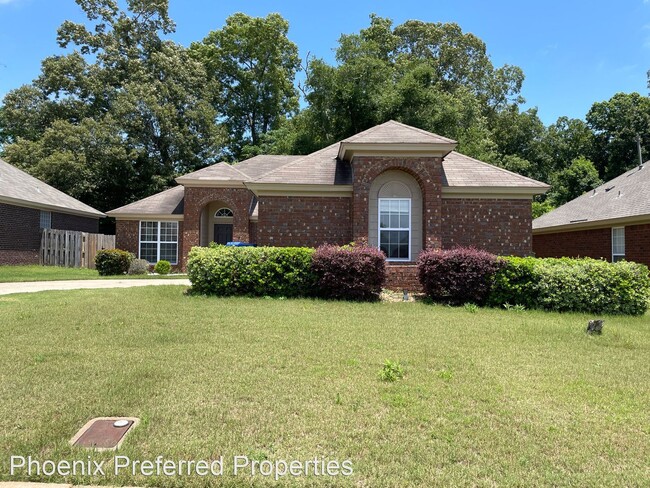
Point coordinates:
[(104, 433)]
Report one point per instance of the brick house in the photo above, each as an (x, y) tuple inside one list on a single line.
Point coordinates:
[(611, 222), (394, 186), (27, 205)]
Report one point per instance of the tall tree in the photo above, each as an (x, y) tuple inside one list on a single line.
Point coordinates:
[(616, 123), (571, 182), (256, 65), (118, 116)]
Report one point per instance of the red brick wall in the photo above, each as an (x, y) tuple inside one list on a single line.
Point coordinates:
[(237, 199), (637, 243), (19, 228), (126, 235), (20, 233), (427, 172), (18, 257), (303, 221), (402, 277), (252, 232), (592, 243), (496, 225)]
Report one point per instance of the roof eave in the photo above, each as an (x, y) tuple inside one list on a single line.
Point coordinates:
[(347, 149), (299, 189), (493, 191), (143, 216), (51, 208)]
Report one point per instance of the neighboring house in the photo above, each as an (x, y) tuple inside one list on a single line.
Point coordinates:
[(27, 206), (611, 222), (396, 187)]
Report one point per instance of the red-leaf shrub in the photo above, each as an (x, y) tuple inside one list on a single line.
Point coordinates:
[(459, 275), (349, 272)]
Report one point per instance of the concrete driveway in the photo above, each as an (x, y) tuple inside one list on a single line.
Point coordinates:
[(34, 286)]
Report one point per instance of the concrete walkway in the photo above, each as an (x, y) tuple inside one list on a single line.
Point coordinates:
[(34, 286)]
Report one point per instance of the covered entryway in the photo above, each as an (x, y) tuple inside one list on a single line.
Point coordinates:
[(217, 223), (222, 231)]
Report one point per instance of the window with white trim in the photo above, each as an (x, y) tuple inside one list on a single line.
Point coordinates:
[(395, 228), (618, 244), (46, 219), (159, 240)]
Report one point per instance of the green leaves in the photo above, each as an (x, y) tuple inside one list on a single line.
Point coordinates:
[(255, 64)]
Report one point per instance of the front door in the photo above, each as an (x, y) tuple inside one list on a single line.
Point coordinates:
[(222, 233)]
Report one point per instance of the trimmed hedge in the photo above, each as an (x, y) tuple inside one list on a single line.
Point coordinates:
[(457, 276), (252, 271), (349, 272), (577, 285), (109, 262)]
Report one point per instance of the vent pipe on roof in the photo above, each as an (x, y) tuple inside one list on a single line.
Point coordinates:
[(638, 148)]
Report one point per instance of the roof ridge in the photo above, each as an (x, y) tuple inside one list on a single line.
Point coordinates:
[(296, 161), (539, 183)]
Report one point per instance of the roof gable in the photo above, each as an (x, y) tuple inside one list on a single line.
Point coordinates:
[(393, 132), (20, 188)]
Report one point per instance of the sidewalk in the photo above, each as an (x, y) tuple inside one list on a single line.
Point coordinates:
[(34, 286)]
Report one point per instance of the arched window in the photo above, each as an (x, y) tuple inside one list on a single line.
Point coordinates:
[(223, 212)]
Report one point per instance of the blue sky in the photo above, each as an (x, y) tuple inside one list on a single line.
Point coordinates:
[(573, 53)]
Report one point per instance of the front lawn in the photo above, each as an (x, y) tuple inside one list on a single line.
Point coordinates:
[(10, 274), (490, 398)]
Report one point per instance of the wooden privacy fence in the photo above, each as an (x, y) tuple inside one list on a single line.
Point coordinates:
[(72, 248)]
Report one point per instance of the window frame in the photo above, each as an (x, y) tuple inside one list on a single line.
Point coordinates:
[(618, 254), (232, 214), (48, 215), (158, 242), (381, 229)]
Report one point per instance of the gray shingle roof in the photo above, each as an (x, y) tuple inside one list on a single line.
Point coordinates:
[(393, 132), (168, 202), (318, 168), (627, 195), (216, 172), (461, 170), (18, 187)]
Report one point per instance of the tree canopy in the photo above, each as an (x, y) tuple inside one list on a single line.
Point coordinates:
[(124, 109)]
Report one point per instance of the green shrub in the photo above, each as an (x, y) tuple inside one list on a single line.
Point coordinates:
[(139, 267), (576, 285), (253, 271), (110, 262), (162, 267), (391, 371)]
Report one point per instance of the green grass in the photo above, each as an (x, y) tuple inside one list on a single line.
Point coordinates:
[(488, 398), (10, 274)]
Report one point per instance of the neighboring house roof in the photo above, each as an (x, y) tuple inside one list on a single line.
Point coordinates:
[(625, 197), (21, 189), (168, 202)]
